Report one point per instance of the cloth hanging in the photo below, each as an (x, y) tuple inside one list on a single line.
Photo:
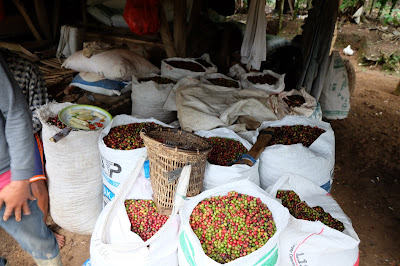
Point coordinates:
[(254, 45)]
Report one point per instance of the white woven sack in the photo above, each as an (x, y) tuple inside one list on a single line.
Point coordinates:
[(205, 80), (278, 87), (115, 64), (116, 165), (74, 174), (309, 109), (113, 242), (217, 175), (190, 251), (178, 73), (315, 242), (316, 162), (148, 99), (211, 69), (335, 95)]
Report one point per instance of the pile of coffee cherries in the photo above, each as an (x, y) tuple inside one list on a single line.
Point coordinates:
[(300, 210), (225, 150), (232, 226), (127, 137), (144, 218), (55, 121), (288, 135)]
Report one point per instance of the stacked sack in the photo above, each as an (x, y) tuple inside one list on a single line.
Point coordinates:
[(315, 162), (150, 93), (216, 174), (107, 70), (74, 174), (319, 232)]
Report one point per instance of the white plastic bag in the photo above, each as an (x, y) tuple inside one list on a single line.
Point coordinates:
[(216, 175), (278, 87), (190, 251), (113, 242), (115, 64), (74, 174), (315, 162), (314, 242), (148, 99), (116, 165), (335, 96)]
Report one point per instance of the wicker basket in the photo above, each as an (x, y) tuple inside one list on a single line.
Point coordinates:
[(170, 149)]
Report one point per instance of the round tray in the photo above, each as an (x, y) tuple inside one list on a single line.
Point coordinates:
[(65, 116)]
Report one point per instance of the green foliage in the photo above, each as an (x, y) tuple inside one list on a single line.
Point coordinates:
[(391, 62), (347, 4), (393, 18)]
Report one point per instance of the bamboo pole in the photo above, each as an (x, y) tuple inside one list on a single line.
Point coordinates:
[(28, 20)]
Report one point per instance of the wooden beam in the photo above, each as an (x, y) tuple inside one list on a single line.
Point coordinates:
[(41, 15), (180, 27), (19, 49), (94, 36), (84, 15), (28, 20), (165, 33)]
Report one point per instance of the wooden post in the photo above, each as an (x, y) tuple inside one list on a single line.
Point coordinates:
[(41, 15), (84, 16), (165, 33), (296, 9), (56, 17), (194, 15), (180, 27), (280, 17), (291, 6), (28, 20)]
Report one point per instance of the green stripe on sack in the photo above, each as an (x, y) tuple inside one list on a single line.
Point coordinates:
[(270, 258), (336, 112), (184, 241)]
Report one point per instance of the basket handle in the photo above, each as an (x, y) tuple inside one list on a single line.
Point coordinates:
[(181, 189), (120, 199)]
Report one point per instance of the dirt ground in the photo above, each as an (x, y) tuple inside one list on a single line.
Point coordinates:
[(367, 172)]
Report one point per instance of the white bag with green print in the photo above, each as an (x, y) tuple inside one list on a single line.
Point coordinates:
[(190, 251)]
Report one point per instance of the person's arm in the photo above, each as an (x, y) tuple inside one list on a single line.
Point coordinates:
[(18, 134)]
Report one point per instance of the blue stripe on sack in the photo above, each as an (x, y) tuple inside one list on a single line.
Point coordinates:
[(103, 83), (108, 193), (327, 186), (111, 182), (270, 258), (183, 240)]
